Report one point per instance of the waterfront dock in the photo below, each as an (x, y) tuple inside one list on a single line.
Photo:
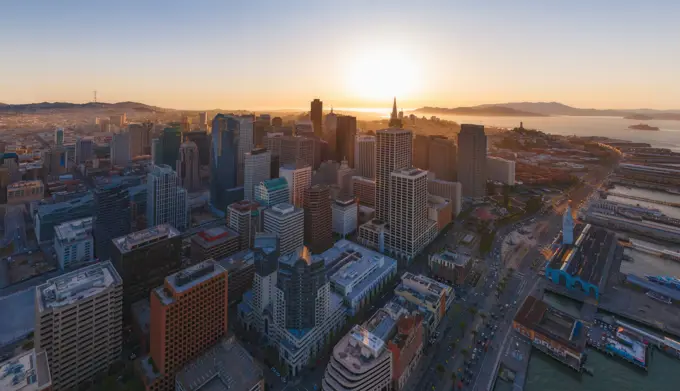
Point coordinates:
[(514, 362), (617, 341)]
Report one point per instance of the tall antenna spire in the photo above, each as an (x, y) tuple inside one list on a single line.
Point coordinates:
[(95, 96)]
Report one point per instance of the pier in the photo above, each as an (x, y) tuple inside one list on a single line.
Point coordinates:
[(630, 197), (667, 254), (666, 344)]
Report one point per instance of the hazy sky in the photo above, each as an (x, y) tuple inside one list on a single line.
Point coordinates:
[(255, 54)]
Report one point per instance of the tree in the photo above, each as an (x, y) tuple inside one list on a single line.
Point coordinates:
[(440, 368), (474, 333), (472, 310), (453, 376), (483, 315), (452, 345), (465, 352), (463, 325)]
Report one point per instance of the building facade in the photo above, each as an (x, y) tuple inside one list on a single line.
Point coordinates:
[(316, 115), (346, 133), (215, 243), (443, 158), (188, 166), (299, 178), (167, 201), (287, 222), (74, 243), (345, 215), (500, 170), (257, 169), (364, 190), (318, 224), (449, 190), (393, 152), (120, 149), (224, 159), (364, 156), (112, 216), (244, 218), (272, 191), (472, 160)]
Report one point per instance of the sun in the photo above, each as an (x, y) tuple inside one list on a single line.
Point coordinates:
[(379, 74)]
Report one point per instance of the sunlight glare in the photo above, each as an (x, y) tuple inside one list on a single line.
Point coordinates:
[(379, 74)]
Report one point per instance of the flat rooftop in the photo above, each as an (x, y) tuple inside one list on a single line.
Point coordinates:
[(24, 184), (359, 350), (144, 237), (283, 209), (352, 266), (425, 284), (453, 257), (537, 315), (381, 324), (73, 230), (20, 307), (188, 278), (77, 285), (26, 372), (225, 366), (275, 184), (214, 236), (238, 261), (587, 257)]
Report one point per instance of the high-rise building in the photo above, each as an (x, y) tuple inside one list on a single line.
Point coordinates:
[(288, 223), (318, 218), (299, 177), (156, 152), (120, 149), (421, 152), (245, 143), (443, 158), (144, 258), (257, 165), (500, 170), (448, 190), (84, 150), (240, 268), (243, 217), (330, 127), (304, 128), (364, 156), (118, 120), (49, 216), (188, 165), (272, 191), (79, 324), (296, 150), (472, 160), (202, 141), (140, 139), (316, 115), (59, 136), (167, 201), (224, 166), (363, 189), (203, 121), (185, 124), (345, 175), (260, 128), (395, 120), (215, 243), (345, 134), (188, 316), (393, 152), (171, 139), (345, 215), (74, 243), (111, 216)]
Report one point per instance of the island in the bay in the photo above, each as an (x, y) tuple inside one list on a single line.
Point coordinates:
[(643, 127)]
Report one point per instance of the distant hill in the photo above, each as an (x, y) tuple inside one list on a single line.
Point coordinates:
[(486, 110), (35, 107)]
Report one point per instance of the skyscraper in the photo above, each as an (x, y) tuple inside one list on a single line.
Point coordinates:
[(272, 191), (443, 158), (187, 166), (421, 152), (111, 216), (79, 324), (318, 218), (171, 139), (395, 121), (330, 127), (345, 135), (299, 177), (188, 316), (120, 149), (316, 115), (156, 151), (245, 143), (242, 217), (84, 150), (202, 141), (225, 147), (295, 149), (140, 139), (59, 136), (257, 165), (185, 125), (167, 201), (472, 160), (203, 121), (287, 222), (364, 156), (260, 128), (393, 152)]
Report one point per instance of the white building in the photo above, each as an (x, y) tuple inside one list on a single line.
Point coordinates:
[(257, 169), (79, 322), (272, 191), (120, 149), (364, 272), (500, 170), (167, 201), (364, 156), (345, 215), (299, 178), (288, 223), (73, 242), (449, 190)]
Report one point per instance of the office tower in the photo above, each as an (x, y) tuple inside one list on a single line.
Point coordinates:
[(363, 189), (118, 120), (364, 156), (225, 147), (215, 243), (104, 124), (227, 364), (203, 121), (288, 223), (240, 268), (442, 158), (48, 216), (304, 128), (500, 170), (144, 258), (79, 324), (295, 149), (171, 139), (318, 218), (272, 191), (330, 127), (439, 209), (74, 243), (344, 179), (120, 149), (187, 166), (111, 216), (243, 217), (410, 228), (277, 122), (299, 177), (188, 316), (345, 212), (59, 136), (84, 150), (156, 152), (346, 133), (273, 144), (167, 201), (395, 121), (316, 115), (257, 165), (139, 139), (303, 302), (202, 141), (245, 143), (57, 159), (260, 128), (274, 167), (421, 152), (449, 190), (393, 152), (185, 124), (472, 160)]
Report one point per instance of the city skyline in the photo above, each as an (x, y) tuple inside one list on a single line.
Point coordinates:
[(351, 54)]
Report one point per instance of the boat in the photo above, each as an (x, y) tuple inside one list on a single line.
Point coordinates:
[(643, 127), (667, 281)]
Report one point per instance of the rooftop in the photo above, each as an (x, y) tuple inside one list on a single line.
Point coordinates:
[(240, 260), (188, 278), (275, 184), (345, 201), (283, 209), (214, 236), (225, 366), (425, 284), (145, 237), (453, 257), (410, 173), (78, 285), (26, 372), (244, 206), (587, 257), (24, 184), (537, 315), (354, 266), (73, 230)]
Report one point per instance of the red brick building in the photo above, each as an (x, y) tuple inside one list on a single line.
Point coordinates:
[(406, 347)]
